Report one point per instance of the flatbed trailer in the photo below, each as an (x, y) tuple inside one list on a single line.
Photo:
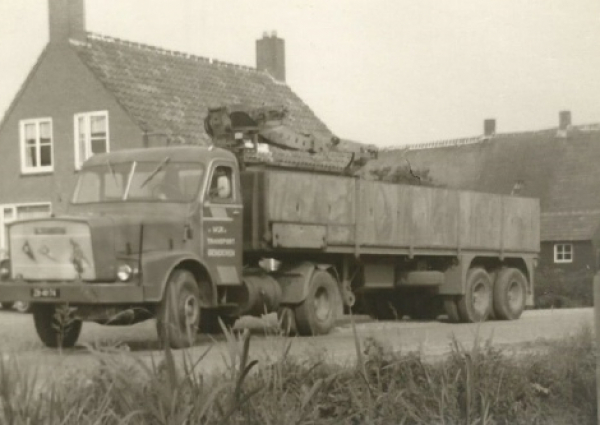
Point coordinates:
[(381, 233)]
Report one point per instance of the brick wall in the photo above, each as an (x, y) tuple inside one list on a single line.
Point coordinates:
[(60, 87)]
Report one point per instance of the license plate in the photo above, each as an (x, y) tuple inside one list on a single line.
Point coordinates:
[(45, 293)]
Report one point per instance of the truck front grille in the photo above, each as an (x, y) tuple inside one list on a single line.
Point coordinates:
[(51, 250)]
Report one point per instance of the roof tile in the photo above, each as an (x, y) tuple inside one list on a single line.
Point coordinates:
[(166, 91)]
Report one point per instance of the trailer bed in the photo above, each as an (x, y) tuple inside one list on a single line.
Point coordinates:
[(298, 210)]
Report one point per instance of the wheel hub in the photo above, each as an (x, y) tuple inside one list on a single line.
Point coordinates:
[(515, 295), (322, 304), (191, 310), (481, 298)]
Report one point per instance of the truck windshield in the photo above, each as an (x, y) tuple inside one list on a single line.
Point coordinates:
[(159, 181)]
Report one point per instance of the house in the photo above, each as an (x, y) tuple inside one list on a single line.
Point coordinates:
[(89, 93), (559, 166)]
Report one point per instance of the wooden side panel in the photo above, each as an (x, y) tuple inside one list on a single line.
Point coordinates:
[(521, 224), (310, 198), (480, 220), (380, 208), (434, 217), (393, 216), (404, 216)]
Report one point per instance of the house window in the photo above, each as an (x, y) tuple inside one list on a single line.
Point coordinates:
[(36, 146), (563, 253), (91, 135)]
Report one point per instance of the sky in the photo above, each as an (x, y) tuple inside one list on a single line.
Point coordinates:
[(386, 72)]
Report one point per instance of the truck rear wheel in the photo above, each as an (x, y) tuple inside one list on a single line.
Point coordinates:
[(509, 294), (178, 318), (476, 304), (53, 328), (316, 315)]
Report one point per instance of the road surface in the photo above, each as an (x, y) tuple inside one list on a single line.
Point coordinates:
[(432, 339)]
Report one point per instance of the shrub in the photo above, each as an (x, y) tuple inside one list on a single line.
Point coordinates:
[(555, 288)]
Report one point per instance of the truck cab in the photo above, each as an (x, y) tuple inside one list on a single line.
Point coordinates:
[(134, 218)]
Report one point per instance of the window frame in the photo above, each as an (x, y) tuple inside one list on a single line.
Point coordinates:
[(88, 136), (26, 169), (562, 252), (218, 201)]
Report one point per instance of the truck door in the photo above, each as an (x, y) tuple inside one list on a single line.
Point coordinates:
[(222, 224)]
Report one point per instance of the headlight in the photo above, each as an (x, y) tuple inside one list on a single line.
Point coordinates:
[(4, 269), (124, 272)]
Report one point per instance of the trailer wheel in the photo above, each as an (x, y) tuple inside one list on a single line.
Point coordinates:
[(53, 330), (316, 315), (476, 304), (178, 318), (509, 294), (451, 309)]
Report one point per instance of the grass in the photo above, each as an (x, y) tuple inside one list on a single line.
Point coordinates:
[(475, 385)]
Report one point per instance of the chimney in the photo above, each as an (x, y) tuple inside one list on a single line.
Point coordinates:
[(489, 127), (66, 20), (564, 120), (270, 55)]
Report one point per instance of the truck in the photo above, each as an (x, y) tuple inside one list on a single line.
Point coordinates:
[(198, 236)]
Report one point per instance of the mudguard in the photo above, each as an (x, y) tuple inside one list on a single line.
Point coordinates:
[(158, 266), (295, 281)]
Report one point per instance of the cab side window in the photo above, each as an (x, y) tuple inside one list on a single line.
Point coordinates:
[(221, 184)]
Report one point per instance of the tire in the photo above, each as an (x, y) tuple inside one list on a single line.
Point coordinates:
[(316, 315), (451, 309), (7, 305), (510, 293), (178, 318), (22, 307), (48, 327), (476, 304)]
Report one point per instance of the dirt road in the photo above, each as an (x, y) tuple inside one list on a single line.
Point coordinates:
[(432, 339)]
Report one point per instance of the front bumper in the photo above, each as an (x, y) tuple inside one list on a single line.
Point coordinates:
[(71, 292)]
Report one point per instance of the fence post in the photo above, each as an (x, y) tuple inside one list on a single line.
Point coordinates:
[(597, 334)]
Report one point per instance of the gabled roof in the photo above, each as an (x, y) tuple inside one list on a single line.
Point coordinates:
[(561, 168), (569, 226), (169, 93)]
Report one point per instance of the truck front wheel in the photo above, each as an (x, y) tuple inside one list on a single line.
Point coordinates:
[(55, 325), (316, 315), (476, 304), (178, 317)]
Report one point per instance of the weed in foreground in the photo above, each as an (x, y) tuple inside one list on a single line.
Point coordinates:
[(473, 385)]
